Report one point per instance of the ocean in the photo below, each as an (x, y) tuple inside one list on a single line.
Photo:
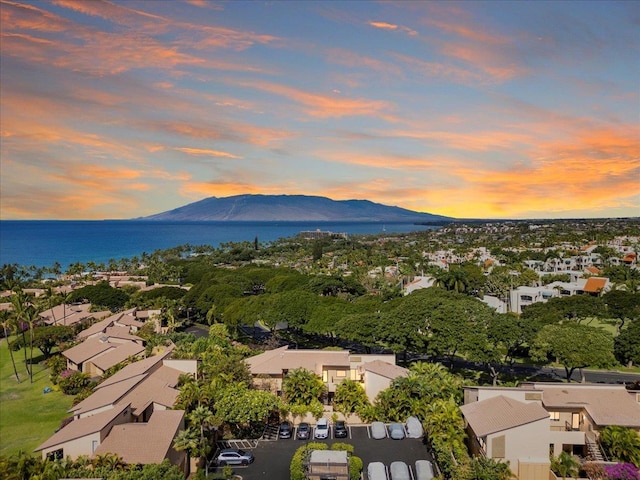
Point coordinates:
[(43, 243)]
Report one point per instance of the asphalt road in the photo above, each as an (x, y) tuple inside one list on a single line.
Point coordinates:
[(273, 458)]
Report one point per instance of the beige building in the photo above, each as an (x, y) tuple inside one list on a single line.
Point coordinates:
[(527, 423), (374, 372), (128, 414)]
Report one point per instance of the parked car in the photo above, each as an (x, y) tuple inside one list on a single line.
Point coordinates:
[(414, 428), (377, 471), (285, 430), (396, 431), (399, 471), (322, 429), (303, 431), (340, 429), (378, 430), (424, 470), (234, 456)]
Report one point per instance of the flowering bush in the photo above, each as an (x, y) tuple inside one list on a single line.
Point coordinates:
[(72, 382), (622, 471)]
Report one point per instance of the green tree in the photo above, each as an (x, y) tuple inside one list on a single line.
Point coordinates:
[(350, 397), (5, 318), (626, 345), (621, 444), (301, 387), (574, 346), (48, 337)]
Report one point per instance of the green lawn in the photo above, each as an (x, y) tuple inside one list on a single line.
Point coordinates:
[(27, 416)]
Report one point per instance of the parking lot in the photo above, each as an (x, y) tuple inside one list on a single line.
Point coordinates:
[(273, 457)]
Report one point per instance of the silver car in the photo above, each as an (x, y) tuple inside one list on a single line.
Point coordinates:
[(234, 456), (396, 431), (399, 471), (378, 430)]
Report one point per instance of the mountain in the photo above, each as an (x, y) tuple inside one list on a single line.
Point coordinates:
[(291, 208)]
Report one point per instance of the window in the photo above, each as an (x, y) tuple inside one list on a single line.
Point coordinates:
[(55, 455), (341, 373), (554, 416), (498, 447)]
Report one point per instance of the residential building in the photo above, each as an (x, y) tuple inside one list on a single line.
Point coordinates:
[(128, 414), (507, 423), (333, 366)]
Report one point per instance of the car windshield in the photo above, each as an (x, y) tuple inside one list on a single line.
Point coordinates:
[(303, 426)]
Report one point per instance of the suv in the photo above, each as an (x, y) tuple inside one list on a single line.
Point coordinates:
[(340, 429), (234, 456), (303, 431), (285, 430), (322, 429)]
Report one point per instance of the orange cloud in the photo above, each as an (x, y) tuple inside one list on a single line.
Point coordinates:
[(393, 26), (324, 106), (205, 152)]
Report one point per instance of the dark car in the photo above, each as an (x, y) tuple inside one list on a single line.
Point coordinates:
[(234, 456), (303, 431), (340, 429), (285, 430)]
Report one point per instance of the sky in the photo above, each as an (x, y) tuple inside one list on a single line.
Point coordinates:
[(498, 109)]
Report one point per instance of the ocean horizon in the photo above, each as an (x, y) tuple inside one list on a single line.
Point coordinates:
[(42, 243)]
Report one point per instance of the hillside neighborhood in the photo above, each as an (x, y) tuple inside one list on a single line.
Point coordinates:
[(169, 361)]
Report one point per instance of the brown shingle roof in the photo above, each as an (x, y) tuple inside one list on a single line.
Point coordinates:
[(82, 427), (86, 350), (501, 413), (116, 355), (136, 368), (106, 396), (606, 405), (144, 442), (275, 361)]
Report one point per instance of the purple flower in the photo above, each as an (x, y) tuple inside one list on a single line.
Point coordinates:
[(622, 471)]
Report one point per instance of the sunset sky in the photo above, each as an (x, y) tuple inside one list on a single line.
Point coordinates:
[(120, 109)]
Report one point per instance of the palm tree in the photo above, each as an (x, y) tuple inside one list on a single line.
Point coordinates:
[(20, 304), (30, 317), (621, 443), (206, 419), (5, 319), (565, 465)]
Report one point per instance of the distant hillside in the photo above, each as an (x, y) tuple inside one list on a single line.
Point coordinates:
[(291, 208)]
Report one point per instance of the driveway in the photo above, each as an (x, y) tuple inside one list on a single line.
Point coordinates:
[(274, 457)]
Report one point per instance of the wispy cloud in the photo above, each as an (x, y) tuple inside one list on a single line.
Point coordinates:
[(393, 26)]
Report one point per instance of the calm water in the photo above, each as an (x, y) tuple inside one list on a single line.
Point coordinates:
[(42, 243)]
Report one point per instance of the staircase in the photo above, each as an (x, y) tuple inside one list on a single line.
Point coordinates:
[(270, 432), (594, 452)]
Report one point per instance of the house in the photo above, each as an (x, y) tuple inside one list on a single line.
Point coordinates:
[(82, 437), (333, 366), (508, 420), (377, 375), (507, 429), (418, 283), (69, 315), (96, 355), (129, 414), (328, 464), (147, 442)]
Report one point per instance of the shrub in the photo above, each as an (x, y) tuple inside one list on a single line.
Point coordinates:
[(355, 466), (296, 469), (622, 471), (72, 382)]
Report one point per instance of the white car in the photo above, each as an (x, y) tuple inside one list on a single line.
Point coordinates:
[(377, 471), (378, 430), (322, 429)]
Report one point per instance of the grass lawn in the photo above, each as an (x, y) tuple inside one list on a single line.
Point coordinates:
[(27, 416)]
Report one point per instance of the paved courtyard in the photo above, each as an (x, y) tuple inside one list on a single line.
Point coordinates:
[(274, 457)]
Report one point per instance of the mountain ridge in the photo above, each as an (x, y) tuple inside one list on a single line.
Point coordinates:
[(260, 207)]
